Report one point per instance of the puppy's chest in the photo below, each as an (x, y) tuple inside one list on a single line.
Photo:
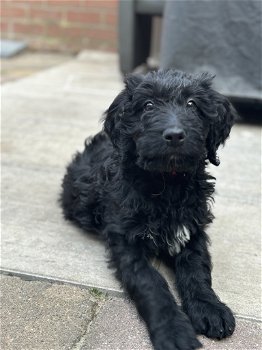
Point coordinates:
[(172, 241), (167, 223), (167, 231)]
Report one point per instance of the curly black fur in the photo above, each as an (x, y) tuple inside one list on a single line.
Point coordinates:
[(142, 184)]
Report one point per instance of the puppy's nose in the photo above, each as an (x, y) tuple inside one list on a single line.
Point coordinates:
[(174, 136)]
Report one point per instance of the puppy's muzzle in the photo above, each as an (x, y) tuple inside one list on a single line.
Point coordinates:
[(174, 137)]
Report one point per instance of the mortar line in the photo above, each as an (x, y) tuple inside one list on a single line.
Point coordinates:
[(108, 291), (36, 277)]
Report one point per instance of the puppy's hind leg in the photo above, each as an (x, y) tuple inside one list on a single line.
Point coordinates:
[(79, 194), (169, 328)]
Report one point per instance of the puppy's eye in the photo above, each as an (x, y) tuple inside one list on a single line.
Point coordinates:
[(191, 103), (148, 106)]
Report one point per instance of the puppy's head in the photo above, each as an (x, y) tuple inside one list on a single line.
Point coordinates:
[(168, 121)]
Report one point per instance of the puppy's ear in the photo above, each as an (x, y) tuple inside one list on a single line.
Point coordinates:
[(119, 108), (113, 117), (221, 122)]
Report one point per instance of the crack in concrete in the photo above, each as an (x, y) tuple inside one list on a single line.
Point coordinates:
[(94, 312)]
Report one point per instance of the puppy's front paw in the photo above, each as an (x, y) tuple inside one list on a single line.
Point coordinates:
[(215, 320), (177, 334)]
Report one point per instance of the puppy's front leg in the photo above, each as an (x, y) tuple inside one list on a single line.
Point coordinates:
[(169, 328), (208, 314)]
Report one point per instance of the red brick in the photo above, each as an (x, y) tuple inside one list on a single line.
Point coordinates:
[(20, 3), (111, 18), (81, 17), (90, 23), (13, 1), (77, 32), (45, 14), (99, 3), (13, 12), (4, 26), (57, 31), (58, 3), (28, 28), (105, 45), (102, 34), (89, 3)]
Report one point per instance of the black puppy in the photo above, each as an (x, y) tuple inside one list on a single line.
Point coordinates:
[(142, 184)]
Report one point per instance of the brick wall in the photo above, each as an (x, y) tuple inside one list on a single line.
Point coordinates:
[(59, 25)]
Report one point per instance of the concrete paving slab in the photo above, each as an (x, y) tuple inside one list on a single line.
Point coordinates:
[(41, 315), (238, 175), (247, 336), (38, 240), (236, 246), (117, 327), (91, 74), (29, 62), (46, 118), (236, 253), (40, 134)]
